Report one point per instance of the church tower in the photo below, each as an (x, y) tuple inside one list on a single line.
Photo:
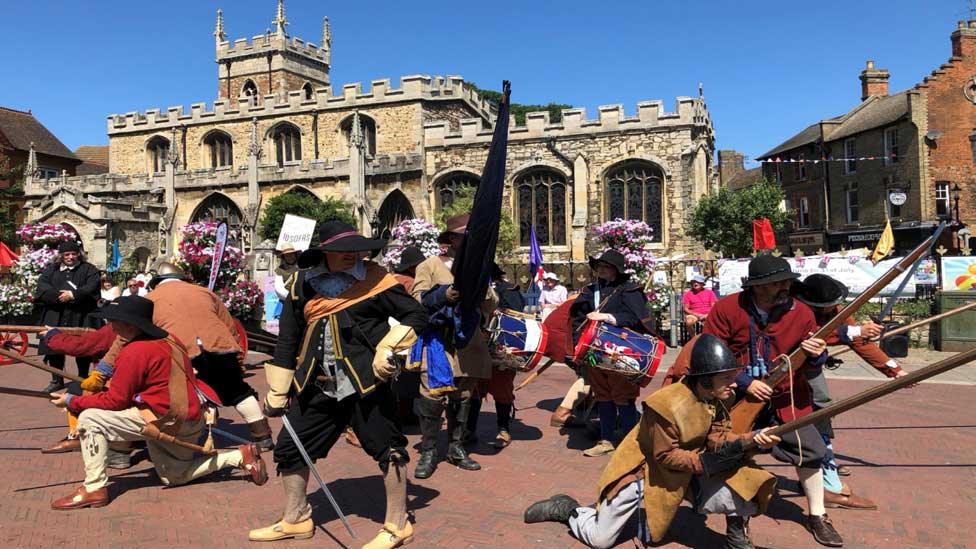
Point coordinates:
[(273, 63)]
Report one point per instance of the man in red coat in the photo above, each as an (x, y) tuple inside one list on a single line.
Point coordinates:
[(152, 397), (760, 324)]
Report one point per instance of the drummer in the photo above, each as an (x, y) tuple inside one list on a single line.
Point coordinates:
[(617, 301)]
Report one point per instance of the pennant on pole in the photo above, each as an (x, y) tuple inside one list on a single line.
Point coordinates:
[(885, 244), (535, 258)]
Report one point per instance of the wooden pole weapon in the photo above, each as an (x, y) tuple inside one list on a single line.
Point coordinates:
[(745, 410), (31, 361), (24, 392), (39, 329), (873, 393), (912, 326)]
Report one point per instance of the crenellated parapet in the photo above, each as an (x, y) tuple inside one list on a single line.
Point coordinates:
[(650, 116), (349, 96), (263, 44)]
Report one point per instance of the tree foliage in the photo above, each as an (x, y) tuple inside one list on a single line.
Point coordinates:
[(519, 110), (305, 205), (8, 197), (507, 231), (722, 222)]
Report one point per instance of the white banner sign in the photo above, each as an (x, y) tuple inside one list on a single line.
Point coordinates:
[(856, 272), (296, 231)]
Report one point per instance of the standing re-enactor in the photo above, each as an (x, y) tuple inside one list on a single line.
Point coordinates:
[(683, 447), (433, 286), (198, 318), (152, 397), (760, 324), (613, 299), (332, 362), (68, 292)]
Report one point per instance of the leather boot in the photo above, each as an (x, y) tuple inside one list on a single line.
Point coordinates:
[(503, 413), (261, 434), (823, 531), (558, 508), (457, 426), (430, 425), (737, 533), (471, 432)]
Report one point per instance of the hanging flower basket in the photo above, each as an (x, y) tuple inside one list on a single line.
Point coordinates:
[(412, 232), (631, 239), (242, 298), (196, 250)]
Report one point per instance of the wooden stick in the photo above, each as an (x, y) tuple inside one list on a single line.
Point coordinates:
[(914, 325), (31, 361), (874, 393), (38, 329), (24, 392), (745, 410), (532, 377)]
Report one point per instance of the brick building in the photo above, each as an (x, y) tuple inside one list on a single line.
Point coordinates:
[(899, 156), (393, 151)]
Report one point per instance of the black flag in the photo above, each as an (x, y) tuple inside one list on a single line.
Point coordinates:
[(473, 263)]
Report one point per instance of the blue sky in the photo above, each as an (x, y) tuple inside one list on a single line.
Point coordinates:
[(769, 68)]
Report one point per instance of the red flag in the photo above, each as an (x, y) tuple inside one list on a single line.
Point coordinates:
[(762, 234)]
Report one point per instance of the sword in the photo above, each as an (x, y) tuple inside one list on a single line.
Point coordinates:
[(315, 473)]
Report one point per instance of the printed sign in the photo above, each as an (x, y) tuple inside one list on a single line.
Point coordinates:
[(297, 231), (959, 274)]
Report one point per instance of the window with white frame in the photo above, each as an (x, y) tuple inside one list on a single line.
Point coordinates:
[(942, 198), (850, 154), (803, 213), (800, 168), (891, 146), (852, 203), (48, 173)]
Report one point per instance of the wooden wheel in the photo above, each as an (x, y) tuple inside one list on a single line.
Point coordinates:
[(13, 341)]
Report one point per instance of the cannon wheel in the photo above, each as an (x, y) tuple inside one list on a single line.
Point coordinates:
[(13, 341)]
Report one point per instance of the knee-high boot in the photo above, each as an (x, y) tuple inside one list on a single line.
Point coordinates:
[(457, 426), (430, 425), (471, 432)]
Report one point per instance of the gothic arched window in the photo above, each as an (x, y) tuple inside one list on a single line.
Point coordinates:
[(368, 127), (220, 148), (634, 191), (250, 91), (288, 143), (542, 200), (156, 151), (307, 91), (448, 186), (218, 207)]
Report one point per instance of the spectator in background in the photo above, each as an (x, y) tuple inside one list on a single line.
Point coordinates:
[(406, 270), (109, 291), (287, 267), (134, 286), (553, 294), (697, 302)]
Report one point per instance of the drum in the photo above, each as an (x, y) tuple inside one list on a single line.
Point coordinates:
[(620, 351), (517, 341)]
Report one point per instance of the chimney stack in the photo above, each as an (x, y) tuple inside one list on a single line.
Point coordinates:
[(874, 81), (964, 39)]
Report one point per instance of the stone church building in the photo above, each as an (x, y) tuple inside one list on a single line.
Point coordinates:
[(394, 151)]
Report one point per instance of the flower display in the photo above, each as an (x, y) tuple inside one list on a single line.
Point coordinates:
[(15, 300), (631, 239), (659, 299), (28, 268), (412, 232), (242, 298), (196, 250), (37, 235)]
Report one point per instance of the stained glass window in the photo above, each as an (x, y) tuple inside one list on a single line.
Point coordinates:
[(218, 207), (542, 201), (448, 186), (634, 192)]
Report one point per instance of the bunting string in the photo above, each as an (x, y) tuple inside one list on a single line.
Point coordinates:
[(892, 158)]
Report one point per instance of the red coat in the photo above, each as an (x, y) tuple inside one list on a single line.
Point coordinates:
[(560, 328), (729, 320), (867, 350), (89, 344), (142, 370)]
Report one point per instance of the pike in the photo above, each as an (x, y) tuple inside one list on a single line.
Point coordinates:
[(913, 325), (39, 329), (744, 412), (24, 392), (874, 393), (536, 373), (31, 361)]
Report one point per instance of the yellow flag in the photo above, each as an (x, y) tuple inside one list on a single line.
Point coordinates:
[(885, 244)]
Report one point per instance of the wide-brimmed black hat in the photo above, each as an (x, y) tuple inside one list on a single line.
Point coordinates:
[(336, 236), (767, 269), (69, 246), (134, 310), (410, 257), (612, 258), (820, 290)]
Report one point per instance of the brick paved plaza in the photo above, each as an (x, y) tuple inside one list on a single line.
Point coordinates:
[(912, 452)]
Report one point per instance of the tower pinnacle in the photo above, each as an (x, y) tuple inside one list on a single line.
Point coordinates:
[(327, 40), (219, 34), (280, 22)]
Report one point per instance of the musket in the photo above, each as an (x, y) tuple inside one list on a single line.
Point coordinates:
[(873, 393), (31, 361), (24, 392), (39, 329), (913, 325), (745, 410)]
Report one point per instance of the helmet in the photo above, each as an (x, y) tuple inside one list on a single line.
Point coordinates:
[(711, 355), (166, 271)]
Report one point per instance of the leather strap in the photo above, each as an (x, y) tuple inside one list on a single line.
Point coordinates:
[(179, 401)]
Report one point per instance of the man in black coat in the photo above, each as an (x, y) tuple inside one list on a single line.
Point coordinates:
[(68, 291)]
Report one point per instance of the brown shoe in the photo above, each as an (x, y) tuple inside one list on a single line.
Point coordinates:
[(253, 464), (80, 499), (63, 446), (844, 471), (847, 500), (560, 417), (601, 448), (502, 440), (823, 531)]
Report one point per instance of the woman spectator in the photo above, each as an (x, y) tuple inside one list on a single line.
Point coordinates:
[(109, 291)]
